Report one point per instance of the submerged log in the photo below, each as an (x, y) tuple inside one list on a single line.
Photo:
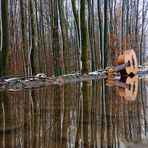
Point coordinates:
[(17, 83)]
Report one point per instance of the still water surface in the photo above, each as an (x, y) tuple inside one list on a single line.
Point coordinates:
[(95, 113)]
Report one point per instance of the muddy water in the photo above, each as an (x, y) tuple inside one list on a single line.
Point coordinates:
[(96, 113)]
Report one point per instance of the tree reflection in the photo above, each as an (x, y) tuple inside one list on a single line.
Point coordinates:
[(85, 114)]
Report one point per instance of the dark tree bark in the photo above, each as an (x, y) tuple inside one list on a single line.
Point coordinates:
[(5, 37), (33, 33)]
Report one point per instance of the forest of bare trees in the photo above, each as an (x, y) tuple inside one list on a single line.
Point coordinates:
[(56, 37)]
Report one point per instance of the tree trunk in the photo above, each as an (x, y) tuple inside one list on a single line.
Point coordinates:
[(5, 37), (55, 42), (33, 33), (64, 35), (84, 38), (91, 30), (122, 26), (127, 18), (38, 35), (100, 31), (24, 37), (105, 33), (77, 22), (42, 40), (142, 32), (76, 16), (136, 34)]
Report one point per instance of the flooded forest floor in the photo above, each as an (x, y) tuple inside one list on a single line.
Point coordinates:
[(74, 110)]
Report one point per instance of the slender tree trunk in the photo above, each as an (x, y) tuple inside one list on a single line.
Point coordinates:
[(24, 38), (64, 36), (5, 37), (38, 35), (100, 31), (84, 38), (94, 56), (55, 42), (111, 16), (77, 22), (89, 22), (122, 26), (42, 39), (91, 28), (76, 16), (136, 23), (105, 33), (142, 32), (33, 33), (127, 18), (111, 32)]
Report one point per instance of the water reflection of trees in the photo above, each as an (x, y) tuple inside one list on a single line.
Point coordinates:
[(73, 115)]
